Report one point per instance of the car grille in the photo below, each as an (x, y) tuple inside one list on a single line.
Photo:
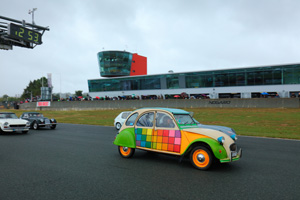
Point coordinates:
[(233, 147), (17, 125), (47, 121)]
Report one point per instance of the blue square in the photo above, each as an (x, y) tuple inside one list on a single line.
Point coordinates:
[(143, 143), (138, 137)]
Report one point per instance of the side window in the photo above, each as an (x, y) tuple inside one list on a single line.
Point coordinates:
[(125, 115), (130, 121), (164, 120), (146, 120)]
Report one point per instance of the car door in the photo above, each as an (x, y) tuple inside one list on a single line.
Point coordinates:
[(144, 129), (166, 134)]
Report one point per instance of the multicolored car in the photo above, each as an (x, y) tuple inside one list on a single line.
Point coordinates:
[(175, 132)]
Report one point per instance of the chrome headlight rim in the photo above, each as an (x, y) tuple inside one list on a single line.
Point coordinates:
[(221, 139)]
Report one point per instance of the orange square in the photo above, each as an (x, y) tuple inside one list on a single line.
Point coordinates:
[(159, 139), (164, 147), (165, 140), (155, 132), (159, 132), (170, 147)]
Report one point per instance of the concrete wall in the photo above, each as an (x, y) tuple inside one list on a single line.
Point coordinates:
[(172, 103)]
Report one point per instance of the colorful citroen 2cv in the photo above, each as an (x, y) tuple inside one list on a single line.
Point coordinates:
[(176, 132)]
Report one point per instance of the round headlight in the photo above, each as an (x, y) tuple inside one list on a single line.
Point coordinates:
[(42, 120), (221, 140), (27, 123), (6, 124)]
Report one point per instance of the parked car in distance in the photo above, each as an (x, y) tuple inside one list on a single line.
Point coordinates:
[(9, 122), (120, 119), (175, 132), (37, 120)]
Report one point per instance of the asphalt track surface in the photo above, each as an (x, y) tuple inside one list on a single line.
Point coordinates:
[(80, 162)]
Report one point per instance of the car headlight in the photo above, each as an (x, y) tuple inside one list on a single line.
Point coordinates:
[(28, 124), (52, 120), (221, 140), (6, 125), (234, 137), (42, 120)]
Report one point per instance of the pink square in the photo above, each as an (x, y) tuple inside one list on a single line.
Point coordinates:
[(172, 133), (177, 141)]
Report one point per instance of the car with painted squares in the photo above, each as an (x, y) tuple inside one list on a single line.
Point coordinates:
[(175, 132), (38, 120), (9, 122)]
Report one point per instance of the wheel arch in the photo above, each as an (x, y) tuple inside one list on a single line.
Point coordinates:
[(217, 150), (126, 138)]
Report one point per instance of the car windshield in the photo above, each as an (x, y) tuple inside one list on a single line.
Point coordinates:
[(8, 116), (183, 119), (36, 115)]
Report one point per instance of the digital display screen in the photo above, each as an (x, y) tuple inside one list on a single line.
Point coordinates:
[(20, 32)]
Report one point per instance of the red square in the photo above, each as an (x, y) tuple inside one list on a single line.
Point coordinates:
[(166, 133), (170, 147), (177, 148), (171, 140)]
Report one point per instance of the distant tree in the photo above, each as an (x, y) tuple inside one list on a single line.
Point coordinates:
[(34, 88), (78, 93)]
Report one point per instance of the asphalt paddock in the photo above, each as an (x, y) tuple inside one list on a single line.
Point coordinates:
[(80, 162)]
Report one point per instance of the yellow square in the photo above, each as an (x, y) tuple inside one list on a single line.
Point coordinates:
[(149, 131), (149, 138), (158, 146)]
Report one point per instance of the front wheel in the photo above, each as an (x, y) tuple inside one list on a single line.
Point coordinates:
[(53, 126), (126, 152), (118, 126), (35, 126), (201, 158)]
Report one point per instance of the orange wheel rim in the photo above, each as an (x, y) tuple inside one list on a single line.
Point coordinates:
[(125, 150), (200, 158)]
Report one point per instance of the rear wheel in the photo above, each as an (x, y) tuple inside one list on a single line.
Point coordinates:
[(53, 126), (126, 152), (201, 158)]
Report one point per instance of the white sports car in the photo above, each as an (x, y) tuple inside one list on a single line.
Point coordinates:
[(9, 122)]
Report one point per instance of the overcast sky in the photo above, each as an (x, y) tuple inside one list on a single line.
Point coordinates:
[(178, 35)]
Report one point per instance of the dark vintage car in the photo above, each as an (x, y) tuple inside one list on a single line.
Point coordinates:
[(37, 120)]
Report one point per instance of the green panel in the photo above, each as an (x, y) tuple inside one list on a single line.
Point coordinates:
[(126, 138)]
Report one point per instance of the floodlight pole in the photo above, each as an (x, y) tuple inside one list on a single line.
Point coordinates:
[(32, 11)]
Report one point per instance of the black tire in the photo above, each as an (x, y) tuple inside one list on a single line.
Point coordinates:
[(126, 152), (53, 126), (201, 158), (118, 126), (35, 125)]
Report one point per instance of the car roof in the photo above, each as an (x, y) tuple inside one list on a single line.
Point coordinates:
[(171, 110), (7, 113)]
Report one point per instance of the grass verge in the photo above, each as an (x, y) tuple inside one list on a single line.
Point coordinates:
[(274, 123)]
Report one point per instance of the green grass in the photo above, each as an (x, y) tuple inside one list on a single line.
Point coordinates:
[(275, 123)]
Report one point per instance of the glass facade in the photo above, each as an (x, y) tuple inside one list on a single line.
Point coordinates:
[(114, 63), (271, 75)]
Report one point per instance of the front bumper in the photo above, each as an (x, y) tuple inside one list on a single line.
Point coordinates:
[(14, 129), (234, 156)]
